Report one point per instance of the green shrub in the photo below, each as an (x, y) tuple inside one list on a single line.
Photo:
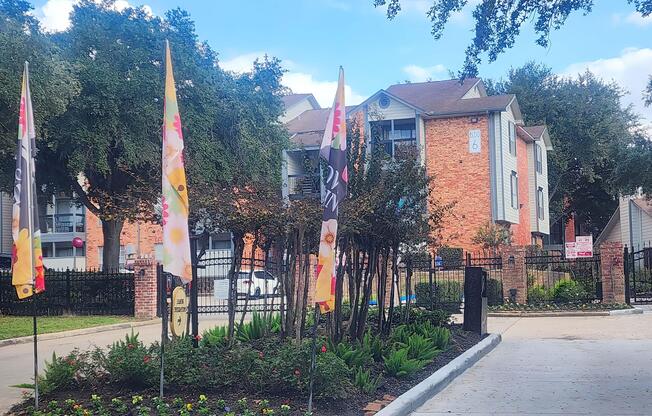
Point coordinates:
[(365, 381), (537, 294), (259, 327), (182, 362), (440, 337), (494, 292), (59, 373), (374, 345), (421, 348), (445, 293), (332, 378), (567, 290), (131, 363), (216, 336), (358, 357), (398, 364)]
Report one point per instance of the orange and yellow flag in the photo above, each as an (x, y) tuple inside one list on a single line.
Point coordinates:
[(176, 241), (333, 150), (27, 258)]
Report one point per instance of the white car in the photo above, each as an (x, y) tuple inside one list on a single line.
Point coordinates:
[(259, 284)]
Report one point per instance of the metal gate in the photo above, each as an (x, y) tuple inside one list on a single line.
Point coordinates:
[(257, 284), (638, 275)]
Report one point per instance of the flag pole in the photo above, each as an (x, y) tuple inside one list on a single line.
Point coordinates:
[(162, 287), (313, 358), (30, 229)]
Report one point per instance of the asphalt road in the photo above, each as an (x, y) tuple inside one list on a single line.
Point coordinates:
[(557, 366)]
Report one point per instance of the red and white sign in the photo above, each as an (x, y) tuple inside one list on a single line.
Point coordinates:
[(581, 248)]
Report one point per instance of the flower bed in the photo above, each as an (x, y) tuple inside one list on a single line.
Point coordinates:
[(259, 374), (557, 307)]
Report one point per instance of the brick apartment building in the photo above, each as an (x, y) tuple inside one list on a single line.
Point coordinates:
[(482, 156)]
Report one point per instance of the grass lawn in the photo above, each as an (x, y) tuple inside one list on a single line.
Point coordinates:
[(20, 326)]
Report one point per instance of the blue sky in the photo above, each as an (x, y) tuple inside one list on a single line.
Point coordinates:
[(314, 37)]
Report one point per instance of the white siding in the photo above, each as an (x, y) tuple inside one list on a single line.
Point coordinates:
[(498, 168), (395, 111), (296, 110), (63, 263), (294, 162), (624, 221), (509, 166), (614, 234), (473, 93), (421, 137), (542, 181), (532, 185)]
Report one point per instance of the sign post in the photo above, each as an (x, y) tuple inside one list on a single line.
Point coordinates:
[(581, 248)]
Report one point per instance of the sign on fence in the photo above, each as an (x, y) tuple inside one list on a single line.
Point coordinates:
[(582, 247)]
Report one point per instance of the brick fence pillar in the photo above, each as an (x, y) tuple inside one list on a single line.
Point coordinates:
[(612, 269), (145, 288), (514, 273)]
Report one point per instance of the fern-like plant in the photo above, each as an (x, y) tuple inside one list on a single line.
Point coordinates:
[(421, 348), (398, 364), (365, 381)]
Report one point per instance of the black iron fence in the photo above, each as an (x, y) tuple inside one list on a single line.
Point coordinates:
[(257, 284), (439, 283), (638, 274), (74, 292), (553, 278)]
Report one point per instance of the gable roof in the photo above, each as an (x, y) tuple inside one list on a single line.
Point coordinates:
[(433, 95), (307, 129), (613, 221), (293, 99)]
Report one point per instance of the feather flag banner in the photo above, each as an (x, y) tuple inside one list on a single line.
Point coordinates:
[(176, 241), (27, 257), (333, 151)]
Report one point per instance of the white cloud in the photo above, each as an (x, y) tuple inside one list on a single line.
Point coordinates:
[(638, 19), (54, 15), (296, 80), (631, 70), (418, 73)]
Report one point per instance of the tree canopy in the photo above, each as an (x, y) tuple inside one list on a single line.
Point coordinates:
[(588, 129), (499, 22)]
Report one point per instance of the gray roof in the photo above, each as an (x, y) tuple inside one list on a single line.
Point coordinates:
[(292, 99), (308, 127), (534, 131), (432, 95)]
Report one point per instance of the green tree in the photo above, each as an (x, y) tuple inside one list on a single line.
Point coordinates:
[(587, 126), (499, 22), (53, 84)]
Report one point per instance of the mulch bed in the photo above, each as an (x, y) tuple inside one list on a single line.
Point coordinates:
[(460, 342)]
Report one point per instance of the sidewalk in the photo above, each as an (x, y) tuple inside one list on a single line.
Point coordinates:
[(557, 366)]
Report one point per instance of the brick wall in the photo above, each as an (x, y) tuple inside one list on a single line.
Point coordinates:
[(141, 235), (460, 176), (145, 288), (569, 229), (514, 273), (521, 232), (613, 272)]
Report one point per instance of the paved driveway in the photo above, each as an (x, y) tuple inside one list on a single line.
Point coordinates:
[(557, 366)]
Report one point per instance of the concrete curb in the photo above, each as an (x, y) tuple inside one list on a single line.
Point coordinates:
[(76, 332), (526, 314), (409, 401)]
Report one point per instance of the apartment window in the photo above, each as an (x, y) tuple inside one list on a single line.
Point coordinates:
[(513, 183), (512, 138), (539, 158), (48, 250), (396, 137), (540, 203)]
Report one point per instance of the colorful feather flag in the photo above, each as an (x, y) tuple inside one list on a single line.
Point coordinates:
[(27, 257), (333, 150), (176, 241)]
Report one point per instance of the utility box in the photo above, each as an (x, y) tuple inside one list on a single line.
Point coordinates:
[(475, 300)]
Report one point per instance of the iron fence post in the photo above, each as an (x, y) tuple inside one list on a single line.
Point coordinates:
[(431, 271), (194, 293), (68, 292), (626, 267)]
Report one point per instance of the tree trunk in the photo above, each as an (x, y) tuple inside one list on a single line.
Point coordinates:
[(111, 230)]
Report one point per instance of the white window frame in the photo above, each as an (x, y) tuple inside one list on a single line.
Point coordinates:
[(513, 189), (540, 202), (512, 138), (538, 157)]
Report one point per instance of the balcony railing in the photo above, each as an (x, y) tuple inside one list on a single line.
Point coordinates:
[(63, 223), (304, 186)]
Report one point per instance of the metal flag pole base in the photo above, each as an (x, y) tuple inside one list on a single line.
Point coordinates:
[(313, 359), (35, 349), (162, 288)]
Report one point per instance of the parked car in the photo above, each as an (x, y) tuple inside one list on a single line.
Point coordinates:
[(259, 284)]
